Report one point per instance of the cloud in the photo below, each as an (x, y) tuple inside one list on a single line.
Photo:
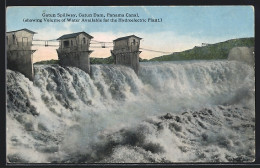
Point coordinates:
[(147, 12), (48, 33)]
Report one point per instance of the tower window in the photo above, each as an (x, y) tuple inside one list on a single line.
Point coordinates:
[(13, 39), (66, 43), (84, 40), (134, 41)]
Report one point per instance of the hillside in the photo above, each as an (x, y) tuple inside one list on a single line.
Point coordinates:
[(211, 51), (107, 60), (93, 60), (47, 62)]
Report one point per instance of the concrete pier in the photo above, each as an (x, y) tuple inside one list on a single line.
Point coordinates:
[(74, 50), (126, 51), (79, 59), (19, 52)]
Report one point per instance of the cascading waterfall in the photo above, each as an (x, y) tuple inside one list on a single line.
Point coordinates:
[(185, 111)]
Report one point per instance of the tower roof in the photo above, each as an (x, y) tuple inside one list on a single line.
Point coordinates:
[(127, 37), (32, 32), (66, 36)]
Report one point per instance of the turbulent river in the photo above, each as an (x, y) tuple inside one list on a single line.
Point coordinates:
[(187, 111)]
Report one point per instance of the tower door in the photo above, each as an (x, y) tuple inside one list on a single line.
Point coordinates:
[(134, 45), (84, 43)]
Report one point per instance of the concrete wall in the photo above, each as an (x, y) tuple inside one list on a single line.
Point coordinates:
[(129, 59), (84, 62), (242, 54), (78, 59), (135, 61), (19, 53), (134, 46), (21, 61), (121, 45), (81, 44)]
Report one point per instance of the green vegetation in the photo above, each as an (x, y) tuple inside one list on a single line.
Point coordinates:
[(211, 51), (47, 62), (143, 60), (108, 60)]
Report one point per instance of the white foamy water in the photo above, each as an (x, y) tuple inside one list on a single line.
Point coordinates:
[(193, 111)]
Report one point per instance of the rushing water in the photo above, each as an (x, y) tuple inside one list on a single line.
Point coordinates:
[(193, 111)]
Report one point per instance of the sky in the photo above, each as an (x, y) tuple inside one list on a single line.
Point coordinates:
[(182, 27)]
